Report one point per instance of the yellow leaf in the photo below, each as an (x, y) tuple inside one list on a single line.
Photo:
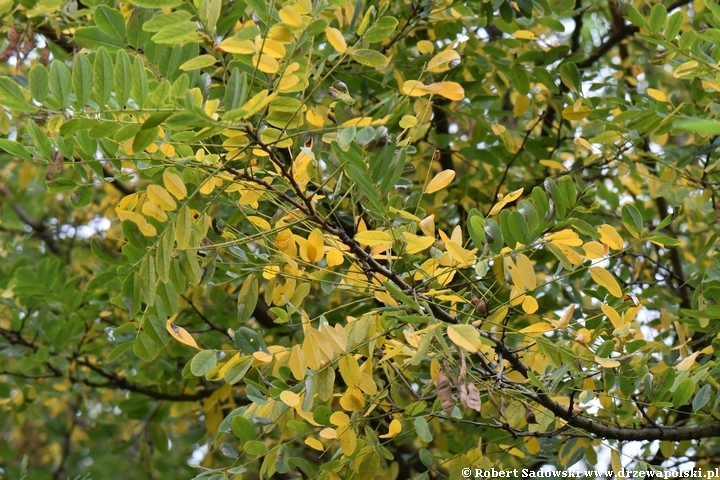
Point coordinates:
[(298, 363), (328, 433), (208, 187), (349, 370), (261, 223), (291, 399), (594, 250), (314, 118), (425, 46), (265, 63), (566, 237), (465, 336), (334, 257), (270, 47), (180, 334), (394, 428), (657, 95), (607, 362), (385, 298), (524, 35), (449, 90), (553, 164), (566, 316), (613, 315), (314, 443), (348, 441), (610, 237), (527, 273), (336, 39), (605, 279), (290, 17), (339, 419), (464, 257), (427, 225), (541, 327), (174, 184), (532, 445), (159, 195), (514, 273), (152, 209), (687, 362), (440, 181), (443, 61), (370, 238), (521, 105), (167, 149), (512, 196), (529, 305), (417, 244), (262, 357), (571, 113), (353, 400)]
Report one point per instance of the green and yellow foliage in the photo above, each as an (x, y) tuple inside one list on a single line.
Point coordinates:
[(357, 240)]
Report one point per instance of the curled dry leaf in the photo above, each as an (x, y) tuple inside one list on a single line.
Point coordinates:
[(473, 398), (444, 391)]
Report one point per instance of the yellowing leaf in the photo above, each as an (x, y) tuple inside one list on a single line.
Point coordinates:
[(512, 196), (657, 95), (180, 334), (465, 336), (353, 400), (594, 250), (348, 441), (427, 225), (174, 184), (527, 273), (334, 257), (613, 315), (440, 181), (370, 238), (159, 195), (443, 61), (417, 244), (687, 362), (449, 90), (152, 209), (238, 46), (572, 113), (339, 419), (394, 428), (566, 316), (553, 164), (605, 279), (408, 121), (298, 363), (607, 362), (349, 370), (314, 443), (336, 39), (145, 228), (291, 399), (610, 237), (328, 433)]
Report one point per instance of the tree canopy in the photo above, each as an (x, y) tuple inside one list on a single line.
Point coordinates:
[(342, 239)]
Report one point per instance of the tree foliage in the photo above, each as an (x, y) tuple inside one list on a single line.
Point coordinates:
[(334, 239)]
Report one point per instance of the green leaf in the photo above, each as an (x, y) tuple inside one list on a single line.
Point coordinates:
[(674, 25), (201, 61), (247, 299), (683, 392), (664, 241), (209, 13), (381, 29), (699, 125), (180, 33), (255, 447), (362, 180), (40, 140), (118, 351), (658, 15), (145, 348), (243, 429), (235, 90), (157, 3), (519, 228), (702, 397), (371, 58), (140, 82), (11, 96), (14, 148), (147, 280), (570, 76), (162, 21), (39, 82), (155, 328), (203, 362), (123, 77), (163, 258), (103, 76), (60, 185), (82, 77), (81, 197), (110, 21), (94, 38), (60, 83), (632, 219), (100, 280), (237, 372), (144, 138), (423, 429), (476, 229), (184, 228), (104, 130)]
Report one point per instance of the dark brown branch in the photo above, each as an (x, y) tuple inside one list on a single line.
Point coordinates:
[(121, 187)]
